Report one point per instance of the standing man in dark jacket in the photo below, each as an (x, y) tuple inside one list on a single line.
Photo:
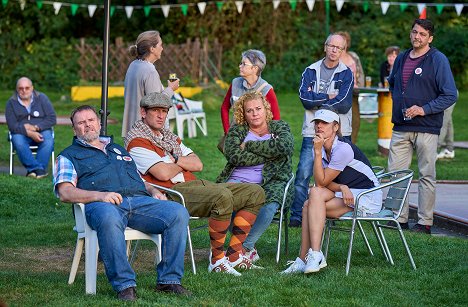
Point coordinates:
[(30, 118), (422, 87)]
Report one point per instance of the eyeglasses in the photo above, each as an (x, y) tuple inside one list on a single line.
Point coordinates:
[(26, 88), (243, 64), (331, 47)]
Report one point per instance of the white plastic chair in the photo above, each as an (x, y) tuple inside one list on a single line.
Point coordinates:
[(88, 238), (396, 184), (34, 151), (189, 112)]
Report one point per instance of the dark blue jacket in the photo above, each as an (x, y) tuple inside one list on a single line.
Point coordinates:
[(112, 172), (433, 89)]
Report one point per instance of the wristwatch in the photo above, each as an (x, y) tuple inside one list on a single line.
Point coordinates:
[(176, 158)]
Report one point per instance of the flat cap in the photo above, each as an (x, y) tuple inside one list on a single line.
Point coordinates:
[(156, 100)]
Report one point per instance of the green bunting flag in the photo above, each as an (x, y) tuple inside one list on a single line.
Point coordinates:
[(74, 8), (39, 4), (293, 4), (184, 8), (219, 5), (403, 6), (4, 3), (147, 10), (112, 10), (439, 8), (365, 6)]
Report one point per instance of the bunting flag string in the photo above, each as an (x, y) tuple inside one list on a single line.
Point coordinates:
[(239, 6)]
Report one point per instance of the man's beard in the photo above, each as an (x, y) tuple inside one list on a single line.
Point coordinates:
[(89, 137)]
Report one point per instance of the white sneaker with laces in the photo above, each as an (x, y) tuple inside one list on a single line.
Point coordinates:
[(296, 266), (252, 255), (315, 262), (446, 154), (222, 266)]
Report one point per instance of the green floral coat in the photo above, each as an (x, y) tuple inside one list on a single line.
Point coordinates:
[(276, 153)]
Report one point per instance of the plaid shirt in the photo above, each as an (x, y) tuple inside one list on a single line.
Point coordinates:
[(64, 169)]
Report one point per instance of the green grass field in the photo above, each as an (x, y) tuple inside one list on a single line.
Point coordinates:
[(37, 241)]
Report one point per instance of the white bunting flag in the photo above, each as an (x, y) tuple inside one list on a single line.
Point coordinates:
[(165, 9), (339, 4), (385, 6), (201, 7), (310, 4), (22, 4), (276, 3), (129, 11), (91, 9), (57, 6), (421, 7), (459, 8), (239, 5)]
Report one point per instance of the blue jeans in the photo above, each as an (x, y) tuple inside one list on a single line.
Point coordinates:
[(264, 218), (148, 215), (305, 170), (21, 144)]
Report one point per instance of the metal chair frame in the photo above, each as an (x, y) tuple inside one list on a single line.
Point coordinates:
[(283, 218)]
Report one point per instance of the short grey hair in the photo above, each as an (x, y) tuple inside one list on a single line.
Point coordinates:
[(256, 57)]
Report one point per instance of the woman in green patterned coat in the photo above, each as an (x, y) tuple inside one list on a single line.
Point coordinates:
[(258, 150)]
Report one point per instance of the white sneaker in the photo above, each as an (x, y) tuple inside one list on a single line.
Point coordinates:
[(315, 262), (296, 266), (252, 255), (446, 154), (244, 263), (223, 266)]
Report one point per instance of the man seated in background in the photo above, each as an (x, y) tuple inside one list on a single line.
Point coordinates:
[(99, 173), (30, 118), (163, 159)]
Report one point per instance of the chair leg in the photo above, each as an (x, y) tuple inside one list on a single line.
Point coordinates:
[(350, 250), (384, 241), (377, 235), (91, 252), (326, 237), (278, 247), (132, 256), (365, 238), (76, 260), (189, 239), (402, 236), (286, 235)]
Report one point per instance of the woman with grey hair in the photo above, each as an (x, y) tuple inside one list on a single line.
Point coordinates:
[(250, 70), (142, 77)]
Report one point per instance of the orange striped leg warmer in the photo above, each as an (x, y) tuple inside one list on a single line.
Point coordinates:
[(241, 225)]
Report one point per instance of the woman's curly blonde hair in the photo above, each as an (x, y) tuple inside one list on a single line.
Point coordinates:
[(239, 110)]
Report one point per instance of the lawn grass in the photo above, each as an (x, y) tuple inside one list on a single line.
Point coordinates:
[(37, 241)]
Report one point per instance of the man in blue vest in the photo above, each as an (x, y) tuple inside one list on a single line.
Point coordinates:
[(101, 174)]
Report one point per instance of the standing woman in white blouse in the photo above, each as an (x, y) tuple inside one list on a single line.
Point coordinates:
[(142, 77)]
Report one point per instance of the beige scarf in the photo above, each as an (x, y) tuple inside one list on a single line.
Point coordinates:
[(167, 141)]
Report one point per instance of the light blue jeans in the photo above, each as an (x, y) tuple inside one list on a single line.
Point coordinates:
[(21, 144), (264, 218), (148, 215)]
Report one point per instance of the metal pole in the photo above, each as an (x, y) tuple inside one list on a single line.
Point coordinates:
[(105, 62), (327, 17)]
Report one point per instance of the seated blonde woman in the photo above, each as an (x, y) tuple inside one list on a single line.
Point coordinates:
[(258, 150), (341, 172)]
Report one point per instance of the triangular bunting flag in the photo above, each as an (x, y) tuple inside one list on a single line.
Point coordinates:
[(146, 10), (74, 8), (165, 8), (22, 4), (339, 5), (293, 4), (276, 3), (310, 4), (423, 14), (365, 6), (112, 10), (439, 8), (39, 4), (57, 6), (184, 8), (239, 5), (459, 8), (4, 3), (129, 11), (384, 6), (201, 7), (219, 5), (91, 9), (403, 6), (421, 7)]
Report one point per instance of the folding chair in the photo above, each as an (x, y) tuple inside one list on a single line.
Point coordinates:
[(397, 185), (283, 218), (88, 238), (34, 151)]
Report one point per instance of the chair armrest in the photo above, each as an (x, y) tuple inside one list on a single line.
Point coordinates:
[(169, 191)]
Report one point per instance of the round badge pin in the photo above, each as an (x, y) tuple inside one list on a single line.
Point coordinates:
[(119, 158), (36, 113), (126, 158), (117, 151), (418, 71)]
